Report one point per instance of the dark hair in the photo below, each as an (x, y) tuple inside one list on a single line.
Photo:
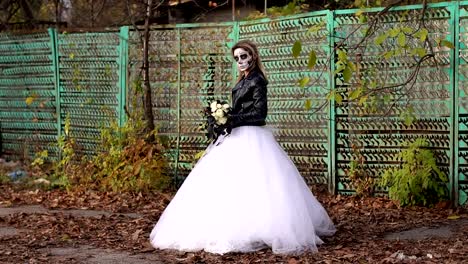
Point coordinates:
[(251, 48)]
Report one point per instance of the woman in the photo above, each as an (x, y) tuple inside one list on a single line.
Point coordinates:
[(245, 194)]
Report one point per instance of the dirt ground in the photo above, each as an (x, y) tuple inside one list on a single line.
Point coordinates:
[(39, 226)]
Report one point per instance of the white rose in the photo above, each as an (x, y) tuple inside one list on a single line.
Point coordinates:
[(213, 106), (225, 106), (222, 120), (219, 113), (218, 106)]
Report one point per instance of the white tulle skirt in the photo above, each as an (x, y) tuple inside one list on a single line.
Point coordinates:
[(243, 195)]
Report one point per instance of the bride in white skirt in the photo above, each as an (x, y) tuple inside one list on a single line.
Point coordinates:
[(245, 194)]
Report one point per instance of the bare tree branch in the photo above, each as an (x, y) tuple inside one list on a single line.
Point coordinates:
[(100, 9), (158, 5)]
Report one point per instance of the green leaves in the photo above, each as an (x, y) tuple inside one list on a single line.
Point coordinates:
[(380, 39), (347, 74), (418, 51), (200, 154), (401, 39), (308, 104), (446, 43), (408, 116), (417, 181), (362, 19), (407, 30), (304, 81), (344, 66), (363, 100), (317, 27), (421, 34), (354, 94), (334, 95), (394, 32), (388, 54), (30, 99), (401, 34), (361, 16), (296, 49), (312, 60), (338, 98), (342, 55)]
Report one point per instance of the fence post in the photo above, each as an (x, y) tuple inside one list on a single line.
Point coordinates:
[(235, 39), (123, 61), (53, 33), (454, 126), (179, 58), (331, 119)]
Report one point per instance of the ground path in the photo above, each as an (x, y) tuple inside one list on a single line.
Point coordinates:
[(88, 227)]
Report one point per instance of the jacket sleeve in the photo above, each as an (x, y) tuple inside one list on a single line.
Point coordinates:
[(259, 109)]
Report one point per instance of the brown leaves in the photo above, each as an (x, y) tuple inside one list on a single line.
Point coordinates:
[(361, 223), (136, 234)]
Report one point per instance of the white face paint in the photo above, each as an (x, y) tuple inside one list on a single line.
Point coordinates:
[(243, 59)]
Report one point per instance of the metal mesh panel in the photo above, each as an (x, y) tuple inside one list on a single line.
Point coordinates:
[(302, 133), (378, 139), (27, 94), (205, 74), (188, 67), (89, 84), (164, 79)]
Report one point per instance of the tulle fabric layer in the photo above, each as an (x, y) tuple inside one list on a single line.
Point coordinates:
[(243, 195)]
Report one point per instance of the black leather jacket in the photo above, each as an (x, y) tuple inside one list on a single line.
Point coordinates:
[(249, 101)]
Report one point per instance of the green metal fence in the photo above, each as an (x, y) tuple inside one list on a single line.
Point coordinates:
[(92, 76), (303, 134), (27, 93), (189, 66), (378, 139)]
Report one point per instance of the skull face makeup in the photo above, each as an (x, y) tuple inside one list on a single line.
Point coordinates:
[(243, 59)]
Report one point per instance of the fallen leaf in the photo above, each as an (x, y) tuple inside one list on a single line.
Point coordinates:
[(136, 234)]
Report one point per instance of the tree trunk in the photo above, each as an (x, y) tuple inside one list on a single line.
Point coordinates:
[(146, 82), (57, 14)]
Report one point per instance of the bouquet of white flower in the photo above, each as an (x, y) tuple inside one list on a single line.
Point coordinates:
[(217, 122), (219, 111)]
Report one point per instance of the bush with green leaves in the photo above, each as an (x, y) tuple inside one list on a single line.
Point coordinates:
[(4, 177), (418, 180), (129, 161), (125, 161)]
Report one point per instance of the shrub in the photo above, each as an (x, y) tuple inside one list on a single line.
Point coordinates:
[(418, 181)]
